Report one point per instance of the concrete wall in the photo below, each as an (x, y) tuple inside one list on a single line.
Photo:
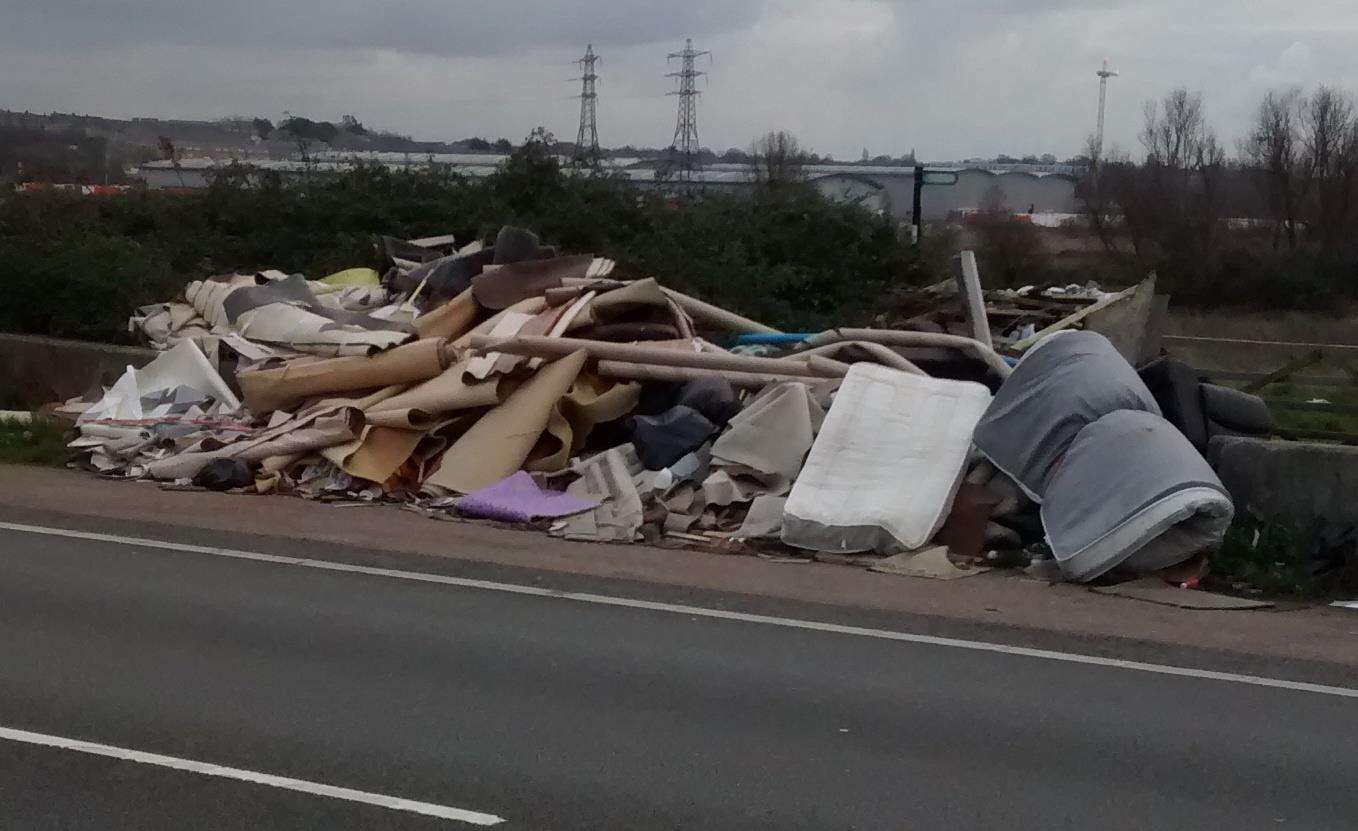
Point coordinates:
[(36, 370), (1292, 480)]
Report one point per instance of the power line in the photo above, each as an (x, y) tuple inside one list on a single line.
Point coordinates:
[(587, 138), (685, 143)]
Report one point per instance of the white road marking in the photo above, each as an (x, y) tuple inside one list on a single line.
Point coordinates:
[(698, 611), (396, 803)]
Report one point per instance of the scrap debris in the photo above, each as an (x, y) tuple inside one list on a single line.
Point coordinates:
[(504, 380)]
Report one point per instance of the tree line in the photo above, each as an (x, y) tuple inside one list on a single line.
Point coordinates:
[(1273, 224)]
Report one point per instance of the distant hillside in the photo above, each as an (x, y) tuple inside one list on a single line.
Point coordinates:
[(70, 147)]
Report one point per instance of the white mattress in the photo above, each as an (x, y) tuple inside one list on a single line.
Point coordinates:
[(887, 462)]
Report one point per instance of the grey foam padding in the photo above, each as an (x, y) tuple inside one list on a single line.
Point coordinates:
[(1237, 411), (1131, 491), (1066, 381)]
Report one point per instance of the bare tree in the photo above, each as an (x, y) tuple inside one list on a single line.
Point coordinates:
[(1330, 161), (777, 159), (172, 154), (168, 151), (1274, 150), (1175, 132), (1167, 210), (1010, 249)]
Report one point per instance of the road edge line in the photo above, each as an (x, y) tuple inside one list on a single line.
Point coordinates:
[(698, 611), (395, 803)]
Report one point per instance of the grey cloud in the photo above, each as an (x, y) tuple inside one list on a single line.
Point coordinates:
[(436, 27), (954, 78)]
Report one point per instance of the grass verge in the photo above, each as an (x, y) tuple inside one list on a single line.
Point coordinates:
[(1275, 558), (41, 441)]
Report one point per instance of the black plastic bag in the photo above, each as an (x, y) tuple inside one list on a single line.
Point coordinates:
[(661, 440), (223, 475)]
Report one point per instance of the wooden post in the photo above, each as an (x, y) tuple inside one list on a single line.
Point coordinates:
[(1283, 372), (973, 299)]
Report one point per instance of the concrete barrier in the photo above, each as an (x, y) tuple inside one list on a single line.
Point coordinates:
[(36, 370), (1296, 480)]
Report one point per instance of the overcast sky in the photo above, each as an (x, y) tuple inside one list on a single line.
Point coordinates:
[(953, 78)]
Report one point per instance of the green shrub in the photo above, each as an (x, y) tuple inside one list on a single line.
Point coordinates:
[(77, 267)]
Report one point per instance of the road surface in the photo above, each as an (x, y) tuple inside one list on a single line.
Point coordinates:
[(555, 712)]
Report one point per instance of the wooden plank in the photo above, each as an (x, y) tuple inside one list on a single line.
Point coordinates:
[(1287, 369), (972, 296), (1298, 380), (1311, 406), (1326, 347), (1072, 319)]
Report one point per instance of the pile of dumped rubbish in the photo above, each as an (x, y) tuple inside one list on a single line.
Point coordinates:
[(505, 381)]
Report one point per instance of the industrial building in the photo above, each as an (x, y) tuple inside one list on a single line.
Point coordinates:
[(887, 189)]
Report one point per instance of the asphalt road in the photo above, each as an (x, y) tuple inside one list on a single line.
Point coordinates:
[(559, 714)]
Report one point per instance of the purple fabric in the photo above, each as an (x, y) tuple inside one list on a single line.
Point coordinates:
[(518, 498)]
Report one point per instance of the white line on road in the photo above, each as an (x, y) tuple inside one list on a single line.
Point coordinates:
[(208, 769), (698, 611)]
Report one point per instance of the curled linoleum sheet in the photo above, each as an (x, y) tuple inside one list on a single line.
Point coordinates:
[(371, 300), (303, 435), (449, 391), (406, 419), (208, 296), (501, 286), (248, 350), (286, 386), (165, 324), (121, 401), (765, 519), (376, 454), (562, 321), (296, 292), (563, 295), (610, 305), (769, 439), (531, 306), (481, 366), (502, 439), (273, 465), (286, 313), (543, 323), (552, 450), (324, 405), (594, 400), (451, 320), (353, 277), (591, 401), (607, 478), (720, 488), (183, 366)]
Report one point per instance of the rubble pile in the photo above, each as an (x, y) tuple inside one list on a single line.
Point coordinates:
[(502, 380)]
